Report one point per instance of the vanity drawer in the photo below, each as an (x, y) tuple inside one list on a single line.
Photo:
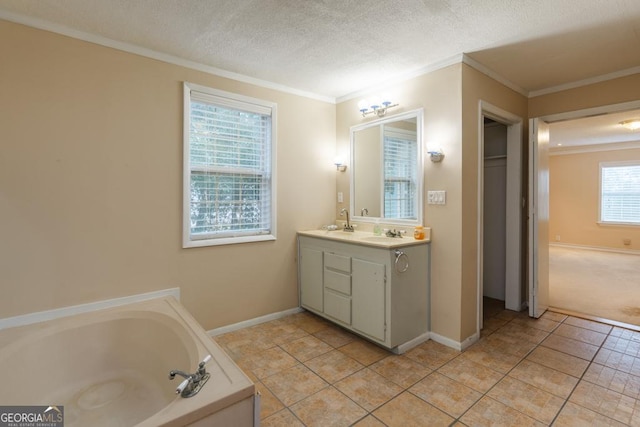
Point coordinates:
[(337, 281), (337, 306), (337, 262)]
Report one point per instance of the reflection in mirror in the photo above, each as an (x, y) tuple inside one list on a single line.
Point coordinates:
[(387, 169)]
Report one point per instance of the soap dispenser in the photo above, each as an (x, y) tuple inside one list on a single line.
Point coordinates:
[(377, 230)]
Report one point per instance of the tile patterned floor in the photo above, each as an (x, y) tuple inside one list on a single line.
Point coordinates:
[(556, 370)]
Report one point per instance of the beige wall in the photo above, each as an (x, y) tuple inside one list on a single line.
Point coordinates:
[(440, 95), (91, 184), (476, 87), (450, 97), (573, 201)]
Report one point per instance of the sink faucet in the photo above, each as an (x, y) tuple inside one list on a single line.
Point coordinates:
[(192, 382), (347, 226), (394, 233)]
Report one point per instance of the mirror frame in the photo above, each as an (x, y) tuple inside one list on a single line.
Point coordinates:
[(418, 114)]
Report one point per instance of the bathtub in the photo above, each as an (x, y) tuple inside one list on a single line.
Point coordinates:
[(110, 368)]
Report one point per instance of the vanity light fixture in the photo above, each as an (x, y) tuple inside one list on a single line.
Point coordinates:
[(374, 106), (436, 155), (633, 124), (340, 165)]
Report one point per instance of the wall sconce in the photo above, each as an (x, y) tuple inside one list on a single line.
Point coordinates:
[(375, 107), (436, 155), (633, 124), (340, 165)]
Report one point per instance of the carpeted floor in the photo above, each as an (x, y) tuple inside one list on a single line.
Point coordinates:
[(602, 284)]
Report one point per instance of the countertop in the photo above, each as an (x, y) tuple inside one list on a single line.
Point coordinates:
[(367, 238)]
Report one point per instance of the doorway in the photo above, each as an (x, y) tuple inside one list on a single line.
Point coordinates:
[(560, 234), (499, 208)]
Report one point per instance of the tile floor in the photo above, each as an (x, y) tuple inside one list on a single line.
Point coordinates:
[(556, 370)]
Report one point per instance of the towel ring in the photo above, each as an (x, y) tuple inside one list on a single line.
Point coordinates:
[(404, 266)]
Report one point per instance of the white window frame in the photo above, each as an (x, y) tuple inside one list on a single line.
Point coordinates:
[(608, 165), (231, 99)]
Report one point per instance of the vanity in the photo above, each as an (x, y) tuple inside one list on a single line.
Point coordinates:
[(374, 286)]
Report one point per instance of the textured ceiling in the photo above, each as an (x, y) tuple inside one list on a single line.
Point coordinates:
[(334, 48)]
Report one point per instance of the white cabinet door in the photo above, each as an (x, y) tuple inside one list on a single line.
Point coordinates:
[(311, 286), (368, 298)]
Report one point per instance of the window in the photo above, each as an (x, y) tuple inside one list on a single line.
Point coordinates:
[(620, 192), (400, 173), (229, 183)]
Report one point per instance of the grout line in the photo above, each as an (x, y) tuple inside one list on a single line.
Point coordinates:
[(512, 321)]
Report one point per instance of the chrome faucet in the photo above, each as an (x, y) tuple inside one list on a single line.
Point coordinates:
[(395, 233), (347, 226), (192, 382)]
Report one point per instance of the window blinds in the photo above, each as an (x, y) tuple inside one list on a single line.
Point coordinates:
[(230, 167), (620, 193)]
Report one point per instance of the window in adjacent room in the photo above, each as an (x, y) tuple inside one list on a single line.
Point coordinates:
[(229, 180), (620, 192)]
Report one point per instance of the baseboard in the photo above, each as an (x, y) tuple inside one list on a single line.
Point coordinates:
[(252, 322), (42, 316), (403, 348), (596, 248), (460, 346)]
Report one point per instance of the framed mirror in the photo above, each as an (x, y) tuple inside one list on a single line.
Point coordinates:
[(387, 169)]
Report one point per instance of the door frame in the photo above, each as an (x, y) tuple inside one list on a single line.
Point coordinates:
[(513, 279), (533, 172)]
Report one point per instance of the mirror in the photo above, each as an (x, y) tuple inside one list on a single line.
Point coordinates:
[(387, 169)]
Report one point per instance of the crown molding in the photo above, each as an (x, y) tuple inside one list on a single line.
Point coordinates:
[(585, 82), (153, 54), (495, 76)]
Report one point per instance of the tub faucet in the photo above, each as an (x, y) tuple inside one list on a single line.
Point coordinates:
[(347, 226), (192, 382)]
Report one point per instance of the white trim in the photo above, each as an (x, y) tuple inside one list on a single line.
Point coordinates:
[(585, 82), (41, 316), (171, 59), (418, 114), (596, 248), (513, 262), (593, 148), (460, 346), (231, 99), (586, 112), (495, 76), (403, 348), (153, 54), (252, 322), (613, 164)]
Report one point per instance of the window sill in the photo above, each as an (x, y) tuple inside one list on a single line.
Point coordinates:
[(617, 224), (227, 241)]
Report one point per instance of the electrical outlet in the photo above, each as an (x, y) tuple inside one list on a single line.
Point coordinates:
[(557, 237), (627, 242), (340, 197)]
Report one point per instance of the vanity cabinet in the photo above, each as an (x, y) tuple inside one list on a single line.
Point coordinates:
[(378, 292)]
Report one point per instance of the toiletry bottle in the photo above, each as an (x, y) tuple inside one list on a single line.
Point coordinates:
[(418, 233), (377, 231)]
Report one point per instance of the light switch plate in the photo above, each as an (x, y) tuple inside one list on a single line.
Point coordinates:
[(436, 197)]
